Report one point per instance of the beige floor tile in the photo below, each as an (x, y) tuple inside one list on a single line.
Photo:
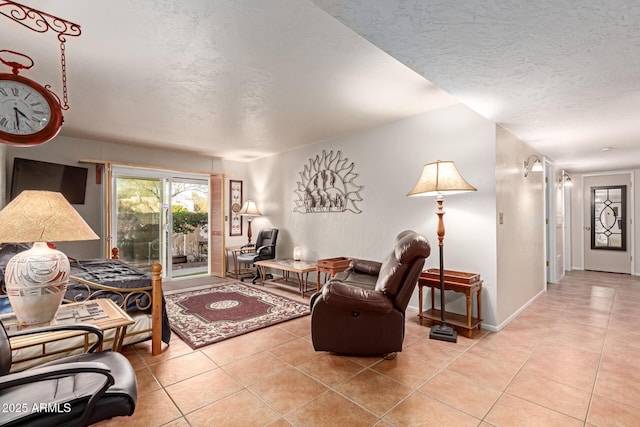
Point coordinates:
[(241, 409), (604, 412), (256, 368), (133, 357), (373, 391), (180, 422), (511, 340), (331, 409), (231, 350), (181, 368), (500, 352), (589, 319), (300, 326), (421, 410), (563, 352), (485, 371), (408, 369), (618, 381), (176, 348), (146, 381), (512, 411), (201, 390), (152, 409), (437, 352), (288, 390), (559, 397), (280, 422), (331, 369), (461, 393), (563, 372), (295, 352), (268, 338)]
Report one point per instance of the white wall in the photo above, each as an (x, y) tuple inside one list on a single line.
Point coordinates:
[(521, 253), (69, 151), (388, 161)]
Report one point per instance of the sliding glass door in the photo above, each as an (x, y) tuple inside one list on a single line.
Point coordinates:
[(189, 235), (159, 217)]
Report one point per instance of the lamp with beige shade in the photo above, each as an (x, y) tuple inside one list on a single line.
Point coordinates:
[(36, 279)]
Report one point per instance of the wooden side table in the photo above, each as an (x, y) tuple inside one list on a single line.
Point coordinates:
[(102, 312), (465, 323), (331, 266), (234, 251)]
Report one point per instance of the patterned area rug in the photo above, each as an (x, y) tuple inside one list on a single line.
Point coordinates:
[(205, 316)]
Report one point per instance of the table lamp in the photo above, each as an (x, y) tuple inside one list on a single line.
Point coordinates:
[(441, 178), (249, 209), (36, 279)]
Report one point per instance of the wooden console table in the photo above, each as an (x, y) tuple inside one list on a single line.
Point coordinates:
[(454, 281)]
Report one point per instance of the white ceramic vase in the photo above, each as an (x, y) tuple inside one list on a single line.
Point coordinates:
[(36, 281)]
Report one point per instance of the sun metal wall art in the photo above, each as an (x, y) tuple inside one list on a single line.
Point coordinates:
[(327, 185)]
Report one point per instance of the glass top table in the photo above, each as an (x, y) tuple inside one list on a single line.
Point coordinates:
[(301, 269)]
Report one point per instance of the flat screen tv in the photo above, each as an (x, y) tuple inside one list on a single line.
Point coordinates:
[(71, 181)]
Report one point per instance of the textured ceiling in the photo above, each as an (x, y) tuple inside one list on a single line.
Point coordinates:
[(563, 76), (243, 79)]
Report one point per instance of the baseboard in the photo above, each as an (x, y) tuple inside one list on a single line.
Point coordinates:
[(517, 312)]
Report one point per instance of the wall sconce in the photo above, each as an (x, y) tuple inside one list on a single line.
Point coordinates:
[(535, 167), (565, 179)]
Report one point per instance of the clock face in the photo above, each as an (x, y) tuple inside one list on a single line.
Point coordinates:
[(29, 114)]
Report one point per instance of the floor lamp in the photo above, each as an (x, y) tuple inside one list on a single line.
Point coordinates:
[(249, 209), (441, 178)]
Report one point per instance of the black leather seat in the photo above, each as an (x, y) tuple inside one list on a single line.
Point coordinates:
[(265, 248), (74, 391)]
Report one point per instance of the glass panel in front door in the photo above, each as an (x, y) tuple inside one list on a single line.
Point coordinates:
[(608, 224)]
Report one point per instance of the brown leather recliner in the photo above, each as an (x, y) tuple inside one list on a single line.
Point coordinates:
[(362, 310)]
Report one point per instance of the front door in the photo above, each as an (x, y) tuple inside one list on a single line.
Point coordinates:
[(607, 223)]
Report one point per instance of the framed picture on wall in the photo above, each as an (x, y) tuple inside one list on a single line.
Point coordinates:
[(235, 203)]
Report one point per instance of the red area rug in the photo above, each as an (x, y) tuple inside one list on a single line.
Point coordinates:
[(205, 316)]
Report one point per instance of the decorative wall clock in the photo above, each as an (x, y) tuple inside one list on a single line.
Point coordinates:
[(327, 185), (235, 203), (29, 113)]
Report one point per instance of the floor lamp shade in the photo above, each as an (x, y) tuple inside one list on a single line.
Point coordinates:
[(438, 179), (36, 279)]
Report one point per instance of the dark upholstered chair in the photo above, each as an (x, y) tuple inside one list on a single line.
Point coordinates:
[(361, 311), (73, 391), (265, 249)]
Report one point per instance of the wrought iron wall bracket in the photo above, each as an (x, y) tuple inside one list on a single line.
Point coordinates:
[(38, 21)]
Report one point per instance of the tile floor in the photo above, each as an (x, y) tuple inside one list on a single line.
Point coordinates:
[(570, 359)]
